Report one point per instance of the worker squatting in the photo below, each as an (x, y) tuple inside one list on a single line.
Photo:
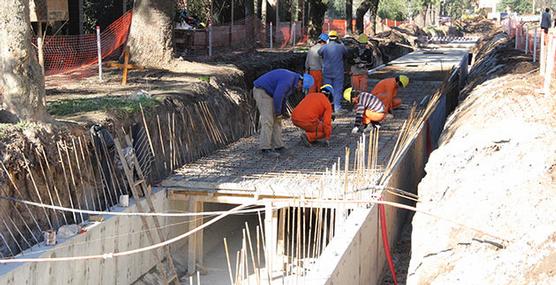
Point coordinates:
[(323, 82)]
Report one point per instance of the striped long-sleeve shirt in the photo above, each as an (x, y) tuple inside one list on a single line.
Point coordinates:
[(367, 101)]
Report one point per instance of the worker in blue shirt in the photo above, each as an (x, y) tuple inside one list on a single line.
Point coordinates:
[(271, 91), (333, 54)]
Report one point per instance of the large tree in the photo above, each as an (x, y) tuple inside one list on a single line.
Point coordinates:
[(150, 38), (366, 5), (316, 8), (22, 80)]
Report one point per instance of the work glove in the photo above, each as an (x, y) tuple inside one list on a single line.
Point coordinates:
[(355, 130)]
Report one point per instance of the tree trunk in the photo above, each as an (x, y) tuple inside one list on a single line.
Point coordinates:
[(316, 17), (349, 15), (22, 80), (367, 5), (151, 34)]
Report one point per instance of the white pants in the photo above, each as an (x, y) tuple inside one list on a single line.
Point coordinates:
[(270, 133)]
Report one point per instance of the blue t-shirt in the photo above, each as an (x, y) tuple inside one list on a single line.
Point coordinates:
[(279, 84)]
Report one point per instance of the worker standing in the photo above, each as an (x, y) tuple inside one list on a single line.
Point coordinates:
[(360, 58), (313, 62), (546, 20), (271, 91), (387, 91), (314, 115), (369, 109), (333, 54)]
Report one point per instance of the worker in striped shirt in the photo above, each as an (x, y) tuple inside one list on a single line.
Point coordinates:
[(369, 109)]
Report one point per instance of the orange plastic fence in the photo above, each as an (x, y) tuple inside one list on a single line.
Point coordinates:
[(66, 53)]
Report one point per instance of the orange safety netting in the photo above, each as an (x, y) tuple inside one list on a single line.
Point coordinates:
[(64, 53)]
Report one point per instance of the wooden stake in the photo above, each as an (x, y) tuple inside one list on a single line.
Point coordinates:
[(90, 169), (47, 184), (66, 180), (147, 130), (106, 186), (73, 181), (161, 141), (228, 261), (255, 265), (36, 189)]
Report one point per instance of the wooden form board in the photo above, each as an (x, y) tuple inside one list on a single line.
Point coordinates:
[(48, 10)]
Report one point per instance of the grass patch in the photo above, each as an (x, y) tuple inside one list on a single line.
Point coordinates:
[(127, 105), (7, 129)]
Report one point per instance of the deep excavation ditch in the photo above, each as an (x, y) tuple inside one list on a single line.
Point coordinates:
[(80, 169)]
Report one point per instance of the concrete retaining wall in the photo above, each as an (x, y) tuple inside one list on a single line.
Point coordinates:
[(100, 238), (356, 254)]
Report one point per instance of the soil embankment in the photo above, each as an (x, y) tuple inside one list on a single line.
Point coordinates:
[(495, 173), (188, 113)]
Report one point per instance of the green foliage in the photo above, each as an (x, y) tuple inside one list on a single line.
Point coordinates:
[(7, 129), (456, 8), (114, 104), (393, 9), (519, 6)]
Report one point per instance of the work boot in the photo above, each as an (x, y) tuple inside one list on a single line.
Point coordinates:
[(282, 151), (305, 141), (270, 153)]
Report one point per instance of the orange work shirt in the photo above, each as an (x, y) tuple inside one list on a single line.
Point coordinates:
[(314, 109), (386, 88)]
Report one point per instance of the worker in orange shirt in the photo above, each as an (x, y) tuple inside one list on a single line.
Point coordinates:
[(387, 91), (314, 115)]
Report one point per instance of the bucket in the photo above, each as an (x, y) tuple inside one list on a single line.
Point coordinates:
[(50, 237), (124, 201)]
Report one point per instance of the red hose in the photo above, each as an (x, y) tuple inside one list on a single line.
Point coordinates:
[(384, 230)]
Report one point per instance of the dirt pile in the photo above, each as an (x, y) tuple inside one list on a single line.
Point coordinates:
[(494, 172), (399, 41), (475, 26)]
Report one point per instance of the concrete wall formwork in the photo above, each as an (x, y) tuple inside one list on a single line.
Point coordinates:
[(356, 254), (115, 234)]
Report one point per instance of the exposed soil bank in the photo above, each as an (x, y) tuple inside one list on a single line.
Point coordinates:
[(193, 118), (494, 171)]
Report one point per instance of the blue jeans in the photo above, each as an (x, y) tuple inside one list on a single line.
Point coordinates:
[(337, 83)]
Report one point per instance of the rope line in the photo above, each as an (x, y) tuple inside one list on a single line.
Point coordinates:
[(110, 255), (131, 214)]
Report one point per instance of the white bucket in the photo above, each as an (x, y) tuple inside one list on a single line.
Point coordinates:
[(124, 201)]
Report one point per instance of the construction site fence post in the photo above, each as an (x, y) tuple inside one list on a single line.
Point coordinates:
[(270, 38), (516, 38), (543, 53), (526, 40), (549, 64), (210, 40), (293, 34), (99, 48), (535, 46)]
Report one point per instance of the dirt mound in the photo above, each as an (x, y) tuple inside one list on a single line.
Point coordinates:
[(475, 25), (496, 57), (399, 41), (494, 172)]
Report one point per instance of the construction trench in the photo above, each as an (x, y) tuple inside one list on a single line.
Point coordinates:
[(309, 218)]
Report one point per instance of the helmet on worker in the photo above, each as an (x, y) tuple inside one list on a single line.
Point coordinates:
[(323, 38), (363, 39), (307, 81), (327, 90), (333, 35), (402, 80), (349, 94)]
